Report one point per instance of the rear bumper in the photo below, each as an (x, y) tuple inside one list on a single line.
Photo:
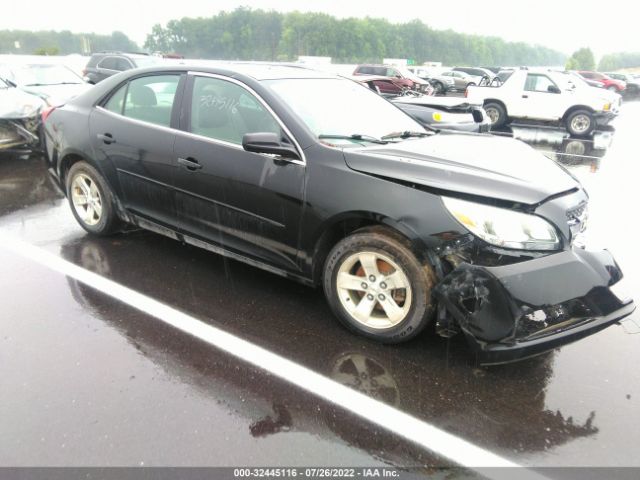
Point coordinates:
[(516, 311)]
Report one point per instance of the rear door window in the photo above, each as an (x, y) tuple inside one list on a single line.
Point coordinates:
[(150, 99), (123, 64), (115, 103), (109, 63)]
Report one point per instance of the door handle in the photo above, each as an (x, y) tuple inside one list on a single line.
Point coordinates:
[(190, 164), (525, 96), (106, 138)]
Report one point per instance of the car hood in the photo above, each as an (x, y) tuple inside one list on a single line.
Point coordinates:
[(433, 101), (56, 95), (482, 165), (586, 94), (16, 104)]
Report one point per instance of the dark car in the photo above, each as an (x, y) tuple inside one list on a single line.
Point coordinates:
[(105, 64), (400, 225)]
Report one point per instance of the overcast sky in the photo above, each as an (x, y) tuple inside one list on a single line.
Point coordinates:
[(565, 25)]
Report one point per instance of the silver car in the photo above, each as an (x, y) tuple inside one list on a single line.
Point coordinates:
[(461, 80)]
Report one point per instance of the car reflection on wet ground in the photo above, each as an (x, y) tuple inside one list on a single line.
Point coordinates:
[(87, 380)]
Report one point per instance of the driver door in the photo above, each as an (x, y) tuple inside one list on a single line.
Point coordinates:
[(540, 99), (244, 202)]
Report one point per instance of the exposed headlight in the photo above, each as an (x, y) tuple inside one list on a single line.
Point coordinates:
[(607, 107), (504, 228)]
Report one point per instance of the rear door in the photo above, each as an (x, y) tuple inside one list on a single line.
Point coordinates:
[(246, 202), (133, 132)]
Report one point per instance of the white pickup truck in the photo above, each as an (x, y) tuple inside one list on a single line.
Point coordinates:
[(547, 96)]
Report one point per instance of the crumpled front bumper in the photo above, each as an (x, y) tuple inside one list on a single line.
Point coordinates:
[(512, 312), (19, 136), (604, 118)]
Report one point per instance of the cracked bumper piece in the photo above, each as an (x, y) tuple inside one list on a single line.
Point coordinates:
[(516, 311)]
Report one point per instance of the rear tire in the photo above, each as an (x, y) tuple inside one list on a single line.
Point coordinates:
[(377, 288), (438, 88), (496, 113), (91, 200)]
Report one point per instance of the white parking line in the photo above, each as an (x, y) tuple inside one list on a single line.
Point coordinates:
[(428, 436)]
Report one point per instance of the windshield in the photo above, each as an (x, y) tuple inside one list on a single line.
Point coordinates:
[(31, 75), (334, 106)]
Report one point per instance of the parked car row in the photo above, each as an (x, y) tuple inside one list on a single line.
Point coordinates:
[(418, 78)]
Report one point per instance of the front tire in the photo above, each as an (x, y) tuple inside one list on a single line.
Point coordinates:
[(580, 123), (377, 287), (91, 200)]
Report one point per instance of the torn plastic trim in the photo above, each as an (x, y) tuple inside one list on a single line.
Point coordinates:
[(522, 309)]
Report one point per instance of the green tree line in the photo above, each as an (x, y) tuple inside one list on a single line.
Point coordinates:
[(247, 34), (615, 61), (61, 43)]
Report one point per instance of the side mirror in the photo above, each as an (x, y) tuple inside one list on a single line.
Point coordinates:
[(267, 142), (553, 89)]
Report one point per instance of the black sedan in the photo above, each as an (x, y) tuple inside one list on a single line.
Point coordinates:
[(319, 179)]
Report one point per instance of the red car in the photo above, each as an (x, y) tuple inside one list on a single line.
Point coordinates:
[(606, 81), (402, 78)]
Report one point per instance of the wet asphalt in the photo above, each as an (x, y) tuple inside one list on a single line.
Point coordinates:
[(87, 380)]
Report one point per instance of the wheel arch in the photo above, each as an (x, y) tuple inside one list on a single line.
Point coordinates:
[(574, 108), (347, 223), (67, 159), (495, 100)]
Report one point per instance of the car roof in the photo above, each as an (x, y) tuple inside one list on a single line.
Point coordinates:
[(258, 71)]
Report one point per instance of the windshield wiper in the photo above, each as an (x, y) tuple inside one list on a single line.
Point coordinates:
[(409, 134), (355, 136)]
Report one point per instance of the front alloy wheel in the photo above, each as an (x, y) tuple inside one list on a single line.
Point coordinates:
[(377, 287), (373, 289)]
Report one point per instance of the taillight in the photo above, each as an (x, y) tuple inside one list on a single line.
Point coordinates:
[(466, 92), (46, 112), (84, 72)]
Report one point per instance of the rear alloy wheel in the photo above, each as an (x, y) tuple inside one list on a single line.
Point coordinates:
[(580, 123), (377, 287), (91, 200), (611, 88), (496, 113)]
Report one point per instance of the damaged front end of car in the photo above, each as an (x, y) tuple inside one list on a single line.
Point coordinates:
[(20, 121), (19, 136), (514, 303)]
